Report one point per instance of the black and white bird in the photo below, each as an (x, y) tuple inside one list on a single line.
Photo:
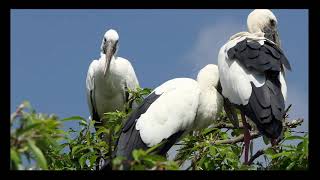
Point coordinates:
[(109, 78), (172, 110), (252, 69)]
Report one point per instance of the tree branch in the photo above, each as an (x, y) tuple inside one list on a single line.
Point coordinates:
[(227, 125), (289, 124), (256, 155), (17, 113), (294, 123), (237, 139)]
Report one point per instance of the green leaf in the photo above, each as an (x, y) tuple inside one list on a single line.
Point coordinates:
[(136, 154), (75, 148), (306, 146), (28, 128), (291, 165), (81, 149), (14, 156), (294, 138), (83, 121), (145, 91), (93, 159), (82, 160), (284, 153), (41, 160), (269, 151), (102, 130)]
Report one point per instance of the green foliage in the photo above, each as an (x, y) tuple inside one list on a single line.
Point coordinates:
[(288, 156), (41, 140), (144, 160), (208, 150), (34, 134)]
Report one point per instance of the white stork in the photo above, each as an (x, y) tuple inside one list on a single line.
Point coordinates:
[(252, 68), (108, 79), (172, 110)]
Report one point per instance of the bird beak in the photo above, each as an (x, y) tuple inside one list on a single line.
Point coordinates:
[(109, 50), (272, 34), (276, 38)]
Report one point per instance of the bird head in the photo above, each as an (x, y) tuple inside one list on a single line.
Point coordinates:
[(209, 76), (109, 46), (263, 20)]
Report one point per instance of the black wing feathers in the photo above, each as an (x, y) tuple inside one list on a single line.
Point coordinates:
[(266, 107), (258, 57), (140, 110), (130, 138), (94, 112), (266, 104)]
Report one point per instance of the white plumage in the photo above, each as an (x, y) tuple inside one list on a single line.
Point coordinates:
[(251, 68), (235, 79), (177, 106), (108, 79)]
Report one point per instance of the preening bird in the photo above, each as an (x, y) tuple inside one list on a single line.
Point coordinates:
[(109, 78), (252, 69), (172, 110)]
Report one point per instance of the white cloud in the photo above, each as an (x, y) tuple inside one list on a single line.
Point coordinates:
[(209, 41)]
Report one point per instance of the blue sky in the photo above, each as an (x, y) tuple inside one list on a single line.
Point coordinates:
[(51, 50)]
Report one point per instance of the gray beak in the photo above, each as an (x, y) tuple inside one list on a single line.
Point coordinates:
[(109, 49), (272, 34), (276, 38)]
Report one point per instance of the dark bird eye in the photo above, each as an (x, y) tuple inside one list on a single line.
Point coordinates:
[(272, 22)]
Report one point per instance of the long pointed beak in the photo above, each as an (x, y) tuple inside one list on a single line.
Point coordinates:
[(276, 39), (109, 51), (272, 34)]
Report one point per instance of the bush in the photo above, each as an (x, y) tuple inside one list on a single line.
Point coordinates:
[(40, 140)]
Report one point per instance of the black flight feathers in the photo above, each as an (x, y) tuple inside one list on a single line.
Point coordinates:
[(261, 58), (266, 105), (130, 138), (140, 110)]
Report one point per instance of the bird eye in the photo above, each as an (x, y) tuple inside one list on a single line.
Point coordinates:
[(272, 22)]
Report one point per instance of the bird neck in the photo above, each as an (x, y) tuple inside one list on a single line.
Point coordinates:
[(209, 104), (206, 83), (111, 64)]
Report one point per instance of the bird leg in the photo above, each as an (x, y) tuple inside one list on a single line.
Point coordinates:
[(274, 142), (231, 112), (246, 138)]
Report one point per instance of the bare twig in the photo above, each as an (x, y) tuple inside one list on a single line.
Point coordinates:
[(256, 155), (237, 139), (303, 132), (294, 123), (227, 125), (289, 124), (288, 108), (17, 113), (261, 152)]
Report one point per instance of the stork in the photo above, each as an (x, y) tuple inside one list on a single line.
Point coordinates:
[(109, 78), (171, 111), (108, 81), (252, 69)]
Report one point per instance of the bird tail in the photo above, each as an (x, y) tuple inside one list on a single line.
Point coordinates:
[(266, 106)]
